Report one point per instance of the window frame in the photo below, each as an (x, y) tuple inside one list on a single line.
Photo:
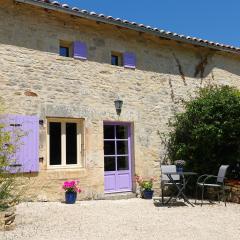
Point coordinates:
[(80, 143), (120, 58), (67, 49), (66, 44)]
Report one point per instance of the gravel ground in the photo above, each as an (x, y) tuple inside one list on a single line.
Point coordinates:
[(125, 220)]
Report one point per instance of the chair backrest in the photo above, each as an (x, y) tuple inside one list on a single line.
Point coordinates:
[(169, 168), (222, 173)]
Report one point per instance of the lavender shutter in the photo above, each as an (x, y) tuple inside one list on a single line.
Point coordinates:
[(25, 158), (80, 50), (129, 60)]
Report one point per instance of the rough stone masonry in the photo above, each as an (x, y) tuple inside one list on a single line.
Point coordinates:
[(35, 80)]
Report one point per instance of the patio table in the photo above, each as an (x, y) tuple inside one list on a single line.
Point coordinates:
[(185, 176)]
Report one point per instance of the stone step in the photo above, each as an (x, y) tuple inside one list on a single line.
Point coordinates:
[(118, 196)]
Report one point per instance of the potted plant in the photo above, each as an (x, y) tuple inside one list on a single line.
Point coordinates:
[(179, 165), (71, 189), (145, 186)]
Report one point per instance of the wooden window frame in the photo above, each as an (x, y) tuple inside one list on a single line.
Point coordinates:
[(120, 58), (80, 143), (66, 44)]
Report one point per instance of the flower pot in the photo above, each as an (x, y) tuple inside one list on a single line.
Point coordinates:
[(147, 194), (179, 169), (70, 197)]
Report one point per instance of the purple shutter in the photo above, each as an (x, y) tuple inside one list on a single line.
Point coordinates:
[(25, 157), (129, 60), (80, 50)]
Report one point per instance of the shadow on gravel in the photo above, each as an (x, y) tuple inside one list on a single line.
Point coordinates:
[(205, 204), (171, 204)]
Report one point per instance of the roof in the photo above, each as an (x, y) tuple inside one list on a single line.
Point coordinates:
[(65, 8)]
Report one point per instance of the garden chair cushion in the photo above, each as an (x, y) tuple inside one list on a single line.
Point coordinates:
[(169, 168)]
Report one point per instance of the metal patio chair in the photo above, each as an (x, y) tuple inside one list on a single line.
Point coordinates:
[(203, 181), (164, 178)]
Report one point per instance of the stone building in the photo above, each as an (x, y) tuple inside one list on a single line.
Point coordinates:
[(61, 71)]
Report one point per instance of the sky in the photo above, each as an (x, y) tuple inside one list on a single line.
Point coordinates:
[(214, 20)]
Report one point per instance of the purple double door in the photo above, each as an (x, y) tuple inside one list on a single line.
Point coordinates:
[(117, 157)]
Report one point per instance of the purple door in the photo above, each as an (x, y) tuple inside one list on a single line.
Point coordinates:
[(117, 157)]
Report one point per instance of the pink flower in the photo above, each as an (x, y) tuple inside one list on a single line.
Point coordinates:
[(71, 186)]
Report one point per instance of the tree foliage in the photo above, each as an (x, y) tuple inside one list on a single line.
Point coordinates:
[(207, 133)]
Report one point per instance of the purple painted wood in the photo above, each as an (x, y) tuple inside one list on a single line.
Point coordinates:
[(80, 50), (129, 60), (110, 181), (119, 180), (24, 131)]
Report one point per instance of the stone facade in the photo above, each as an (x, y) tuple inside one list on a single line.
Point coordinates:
[(234, 191), (7, 218), (35, 80)]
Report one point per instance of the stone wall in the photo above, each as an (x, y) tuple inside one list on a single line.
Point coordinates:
[(234, 191), (7, 218), (34, 79)]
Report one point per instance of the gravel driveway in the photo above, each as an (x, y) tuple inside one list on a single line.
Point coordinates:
[(125, 220)]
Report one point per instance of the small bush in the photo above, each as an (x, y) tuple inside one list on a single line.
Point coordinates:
[(9, 183), (207, 134)]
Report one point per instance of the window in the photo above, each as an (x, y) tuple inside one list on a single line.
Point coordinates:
[(116, 59), (65, 49), (65, 142)]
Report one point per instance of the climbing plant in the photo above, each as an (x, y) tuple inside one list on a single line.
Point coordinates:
[(207, 133)]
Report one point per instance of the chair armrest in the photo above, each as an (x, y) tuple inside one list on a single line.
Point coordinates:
[(209, 177), (202, 176)]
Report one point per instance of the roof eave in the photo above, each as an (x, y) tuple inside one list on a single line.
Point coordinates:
[(125, 25)]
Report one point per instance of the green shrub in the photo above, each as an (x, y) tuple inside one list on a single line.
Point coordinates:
[(207, 133), (9, 183)]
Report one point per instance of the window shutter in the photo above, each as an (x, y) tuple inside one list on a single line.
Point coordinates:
[(24, 131), (129, 60), (80, 50)]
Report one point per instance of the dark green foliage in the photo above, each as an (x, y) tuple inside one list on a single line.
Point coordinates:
[(207, 134)]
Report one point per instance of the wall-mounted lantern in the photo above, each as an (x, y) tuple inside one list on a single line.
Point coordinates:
[(41, 122), (118, 106)]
